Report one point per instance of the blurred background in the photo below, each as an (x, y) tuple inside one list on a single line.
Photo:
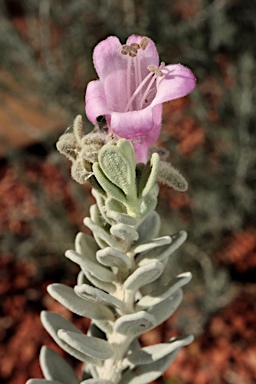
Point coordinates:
[(45, 63)]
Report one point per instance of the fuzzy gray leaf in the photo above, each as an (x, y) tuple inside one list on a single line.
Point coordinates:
[(52, 322), (121, 218), (96, 295), (95, 269), (54, 367), (67, 297), (143, 374), (163, 251), (158, 242), (143, 275), (101, 233), (86, 246), (149, 355), (108, 287), (96, 381), (113, 258), (134, 324), (163, 310), (124, 232), (170, 176), (42, 381), (91, 346), (163, 292), (149, 228)]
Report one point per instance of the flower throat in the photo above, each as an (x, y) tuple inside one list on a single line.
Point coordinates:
[(140, 98)]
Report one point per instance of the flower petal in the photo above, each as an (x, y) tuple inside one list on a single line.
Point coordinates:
[(107, 57), (133, 123), (95, 101), (177, 81), (143, 143), (146, 57)]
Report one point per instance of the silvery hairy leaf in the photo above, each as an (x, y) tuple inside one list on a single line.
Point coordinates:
[(118, 165), (143, 275), (149, 228), (151, 180), (143, 374), (134, 324), (53, 322), (162, 292), (88, 345), (96, 381), (111, 189), (163, 251), (42, 381), (149, 202), (147, 246), (86, 246), (95, 269), (101, 233), (54, 367), (111, 257), (67, 297), (121, 218), (163, 310), (124, 232), (149, 355), (108, 287), (96, 295)]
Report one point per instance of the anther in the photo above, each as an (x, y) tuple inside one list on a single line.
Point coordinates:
[(155, 70), (144, 43), (130, 50), (125, 49), (135, 45)]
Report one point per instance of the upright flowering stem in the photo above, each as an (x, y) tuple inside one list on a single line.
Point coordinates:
[(120, 286)]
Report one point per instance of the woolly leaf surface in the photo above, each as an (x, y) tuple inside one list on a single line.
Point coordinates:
[(113, 258), (149, 355), (91, 346), (54, 367), (96, 381), (67, 297), (134, 324), (124, 232), (52, 322), (96, 295), (86, 246), (143, 374), (95, 269), (110, 188), (149, 228), (143, 275), (163, 310), (42, 381), (115, 163), (101, 233), (163, 292), (145, 247), (163, 251)]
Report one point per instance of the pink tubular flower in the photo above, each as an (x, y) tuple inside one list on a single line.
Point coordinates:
[(131, 88)]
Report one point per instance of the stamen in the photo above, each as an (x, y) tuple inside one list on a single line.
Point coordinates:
[(137, 91), (128, 79), (128, 49), (135, 45), (144, 43), (125, 49), (155, 70), (143, 99)]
